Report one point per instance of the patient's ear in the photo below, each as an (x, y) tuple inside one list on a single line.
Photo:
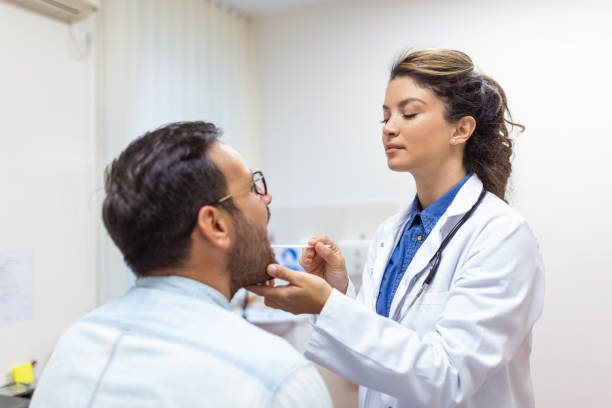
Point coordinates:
[(214, 226)]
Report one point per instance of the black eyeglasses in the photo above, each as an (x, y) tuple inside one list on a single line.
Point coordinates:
[(257, 185)]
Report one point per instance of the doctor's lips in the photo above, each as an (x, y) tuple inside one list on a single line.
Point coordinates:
[(392, 148)]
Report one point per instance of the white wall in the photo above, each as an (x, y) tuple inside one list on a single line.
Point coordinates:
[(322, 75), (164, 61), (47, 164), (159, 61)]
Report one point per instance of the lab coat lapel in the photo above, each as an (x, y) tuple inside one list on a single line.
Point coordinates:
[(466, 197), (390, 237)]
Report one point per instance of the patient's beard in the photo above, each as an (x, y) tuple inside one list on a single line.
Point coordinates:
[(249, 255)]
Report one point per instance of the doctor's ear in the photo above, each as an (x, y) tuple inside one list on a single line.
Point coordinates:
[(214, 225), (464, 128)]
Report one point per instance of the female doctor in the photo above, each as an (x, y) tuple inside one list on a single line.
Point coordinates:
[(452, 285)]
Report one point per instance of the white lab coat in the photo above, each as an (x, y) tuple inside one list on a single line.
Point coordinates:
[(466, 341)]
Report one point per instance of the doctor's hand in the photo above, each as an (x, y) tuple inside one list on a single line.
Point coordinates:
[(305, 293), (328, 263)]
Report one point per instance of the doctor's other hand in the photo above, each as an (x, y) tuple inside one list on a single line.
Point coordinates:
[(326, 262), (305, 293)]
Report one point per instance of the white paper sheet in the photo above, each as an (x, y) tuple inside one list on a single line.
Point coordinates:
[(16, 285)]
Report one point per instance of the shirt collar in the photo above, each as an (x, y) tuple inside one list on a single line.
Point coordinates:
[(184, 286), (431, 215)]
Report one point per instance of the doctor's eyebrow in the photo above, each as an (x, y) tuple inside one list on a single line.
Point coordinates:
[(404, 102)]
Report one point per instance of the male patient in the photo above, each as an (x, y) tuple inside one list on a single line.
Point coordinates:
[(191, 221)]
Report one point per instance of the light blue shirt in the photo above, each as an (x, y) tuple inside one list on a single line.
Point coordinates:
[(173, 342)]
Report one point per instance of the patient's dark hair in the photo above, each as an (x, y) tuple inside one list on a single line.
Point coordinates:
[(154, 190)]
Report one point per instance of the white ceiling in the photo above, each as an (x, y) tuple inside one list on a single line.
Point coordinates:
[(262, 7)]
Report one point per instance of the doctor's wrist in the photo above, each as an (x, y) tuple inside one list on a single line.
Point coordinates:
[(344, 288), (325, 294)]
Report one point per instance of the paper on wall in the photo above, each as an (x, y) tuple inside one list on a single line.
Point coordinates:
[(16, 285)]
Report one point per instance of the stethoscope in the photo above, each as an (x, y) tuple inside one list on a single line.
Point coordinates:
[(435, 260)]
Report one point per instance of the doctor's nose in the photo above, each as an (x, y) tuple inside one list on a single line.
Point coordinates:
[(390, 127)]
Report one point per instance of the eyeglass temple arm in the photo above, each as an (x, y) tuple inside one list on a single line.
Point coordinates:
[(222, 199)]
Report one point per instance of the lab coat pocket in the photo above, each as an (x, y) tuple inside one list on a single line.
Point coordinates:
[(425, 312), (432, 298)]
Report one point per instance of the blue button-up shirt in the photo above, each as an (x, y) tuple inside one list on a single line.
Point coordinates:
[(417, 229), (173, 342)]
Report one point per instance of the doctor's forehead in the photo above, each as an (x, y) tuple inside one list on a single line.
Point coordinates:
[(405, 90)]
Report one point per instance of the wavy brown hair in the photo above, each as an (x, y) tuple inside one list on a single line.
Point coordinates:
[(450, 74)]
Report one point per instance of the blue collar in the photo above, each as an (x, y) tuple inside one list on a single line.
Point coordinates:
[(184, 286), (430, 216)]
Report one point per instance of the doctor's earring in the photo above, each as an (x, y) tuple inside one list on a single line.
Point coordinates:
[(453, 140)]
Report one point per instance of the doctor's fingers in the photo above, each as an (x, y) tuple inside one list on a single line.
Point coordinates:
[(306, 257), (287, 307), (271, 303), (308, 298), (324, 239), (308, 252), (323, 245), (291, 276), (268, 292), (279, 297), (311, 262), (332, 255), (295, 299)]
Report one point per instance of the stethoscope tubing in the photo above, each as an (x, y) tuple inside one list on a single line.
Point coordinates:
[(435, 260)]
